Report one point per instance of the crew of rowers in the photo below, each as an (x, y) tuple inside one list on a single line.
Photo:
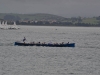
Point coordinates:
[(44, 42), (49, 43)]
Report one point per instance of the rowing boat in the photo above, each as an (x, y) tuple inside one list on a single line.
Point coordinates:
[(45, 45)]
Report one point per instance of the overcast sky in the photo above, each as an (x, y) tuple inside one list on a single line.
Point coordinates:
[(65, 8)]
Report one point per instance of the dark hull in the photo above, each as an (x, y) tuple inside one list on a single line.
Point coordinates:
[(46, 45)]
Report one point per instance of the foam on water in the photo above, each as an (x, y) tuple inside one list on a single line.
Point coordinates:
[(84, 59)]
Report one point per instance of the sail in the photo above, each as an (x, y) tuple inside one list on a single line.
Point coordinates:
[(14, 23), (3, 23), (6, 23), (0, 25), (16, 27)]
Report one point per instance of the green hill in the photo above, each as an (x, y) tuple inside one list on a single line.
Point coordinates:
[(39, 16)]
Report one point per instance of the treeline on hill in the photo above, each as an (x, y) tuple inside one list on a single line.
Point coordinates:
[(46, 23), (65, 22)]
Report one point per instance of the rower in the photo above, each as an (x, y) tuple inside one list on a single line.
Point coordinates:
[(24, 39)]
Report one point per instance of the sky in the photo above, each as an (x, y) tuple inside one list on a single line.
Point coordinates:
[(65, 8)]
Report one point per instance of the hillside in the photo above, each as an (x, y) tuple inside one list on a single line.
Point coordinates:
[(39, 16)]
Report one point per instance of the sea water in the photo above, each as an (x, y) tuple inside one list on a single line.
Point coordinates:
[(83, 59)]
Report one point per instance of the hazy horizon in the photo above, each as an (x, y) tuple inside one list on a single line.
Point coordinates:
[(64, 8)]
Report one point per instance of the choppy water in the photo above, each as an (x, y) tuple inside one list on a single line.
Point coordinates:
[(84, 59)]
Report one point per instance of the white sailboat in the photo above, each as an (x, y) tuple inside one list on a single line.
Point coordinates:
[(6, 26), (0, 25), (16, 27), (3, 25)]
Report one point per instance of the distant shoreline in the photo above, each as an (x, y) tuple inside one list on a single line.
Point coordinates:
[(60, 25)]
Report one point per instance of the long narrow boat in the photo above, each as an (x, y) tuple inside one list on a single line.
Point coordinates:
[(45, 45)]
